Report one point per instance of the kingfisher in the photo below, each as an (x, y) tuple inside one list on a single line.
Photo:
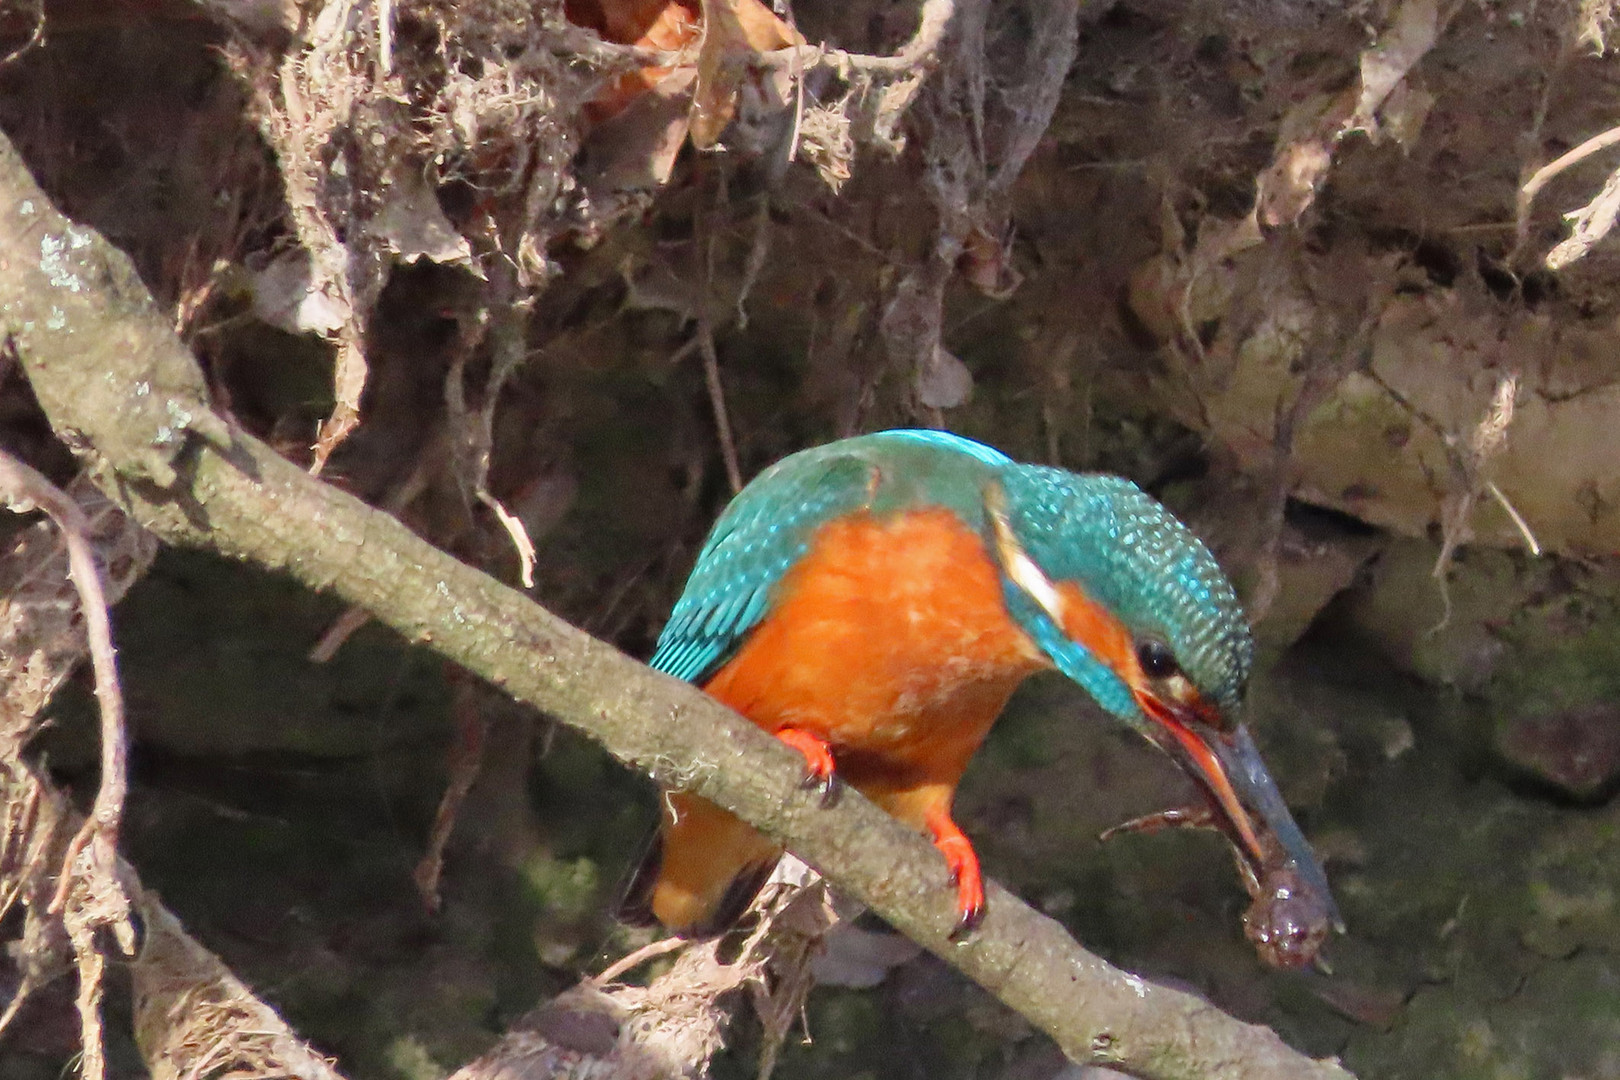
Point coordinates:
[(874, 602)]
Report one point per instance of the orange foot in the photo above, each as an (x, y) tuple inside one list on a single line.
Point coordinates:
[(964, 864), (819, 773)]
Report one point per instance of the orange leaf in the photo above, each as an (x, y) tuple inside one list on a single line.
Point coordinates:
[(733, 32), (666, 25)]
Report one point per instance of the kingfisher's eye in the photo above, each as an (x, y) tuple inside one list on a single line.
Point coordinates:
[(1157, 661)]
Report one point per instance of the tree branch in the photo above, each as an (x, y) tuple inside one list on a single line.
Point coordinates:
[(115, 380)]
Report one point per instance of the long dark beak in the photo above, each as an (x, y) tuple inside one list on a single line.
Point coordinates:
[(1258, 793), (1247, 805)]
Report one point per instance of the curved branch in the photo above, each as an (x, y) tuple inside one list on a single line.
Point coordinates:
[(113, 377)]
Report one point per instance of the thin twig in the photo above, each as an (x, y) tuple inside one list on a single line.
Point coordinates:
[(1489, 436), (508, 353), (19, 998), (711, 366), (25, 845), (640, 956), (466, 758), (339, 632), (796, 74), (35, 39), (516, 532), (90, 863), (1544, 175), (1523, 526), (887, 258), (759, 249), (19, 819), (1591, 223), (917, 56), (385, 37), (92, 969), (473, 437), (717, 401), (23, 486), (688, 347)]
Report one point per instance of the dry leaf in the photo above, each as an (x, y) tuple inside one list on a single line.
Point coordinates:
[(861, 959), (636, 150), (945, 383), (733, 32), (414, 227), (1288, 185), (1404, 111), (1400, 46), (627, 21), (986, 263), (664, 25), (287, 296)]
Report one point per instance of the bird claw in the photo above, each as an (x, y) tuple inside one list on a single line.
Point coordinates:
[(828, 786), (965, 875), (967, 921), (819, 772)]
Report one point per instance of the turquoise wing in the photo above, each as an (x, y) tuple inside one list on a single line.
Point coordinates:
[(764, 531)]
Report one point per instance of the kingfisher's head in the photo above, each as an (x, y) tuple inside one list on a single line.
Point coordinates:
[(1127, 602)]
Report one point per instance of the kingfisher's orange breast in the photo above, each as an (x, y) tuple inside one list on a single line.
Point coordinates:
[(888, 638)]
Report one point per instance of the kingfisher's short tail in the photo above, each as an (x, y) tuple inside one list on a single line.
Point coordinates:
[(702, 871)]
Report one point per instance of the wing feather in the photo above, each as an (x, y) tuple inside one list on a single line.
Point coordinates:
[(764, 531)]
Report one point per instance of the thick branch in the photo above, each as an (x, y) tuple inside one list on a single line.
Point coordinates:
[(113, 377)]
